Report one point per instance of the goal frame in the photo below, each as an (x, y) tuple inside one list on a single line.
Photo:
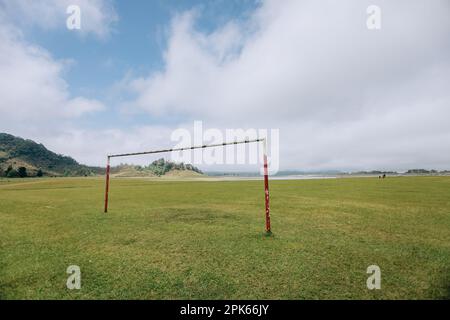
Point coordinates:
[(266, 170)]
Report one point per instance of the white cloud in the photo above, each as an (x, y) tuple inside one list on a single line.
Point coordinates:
[(91, 146), (343, 96), (33, 93), (97, 16)]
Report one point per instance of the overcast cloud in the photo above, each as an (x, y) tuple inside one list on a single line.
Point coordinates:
[(342, 96)]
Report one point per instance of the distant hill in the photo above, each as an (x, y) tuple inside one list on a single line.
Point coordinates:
[(17, 153), (157, 168), (26, 158)]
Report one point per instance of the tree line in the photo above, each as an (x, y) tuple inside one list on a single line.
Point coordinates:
[(20, 172)]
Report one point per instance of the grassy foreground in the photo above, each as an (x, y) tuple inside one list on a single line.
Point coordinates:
[(200, 239)]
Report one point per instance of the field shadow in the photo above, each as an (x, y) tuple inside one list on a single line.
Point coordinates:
[(447, 291), (46, 188), (196, 215), (6, 290), (445, 286)]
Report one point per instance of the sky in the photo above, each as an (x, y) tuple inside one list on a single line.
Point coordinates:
[(341, 95)]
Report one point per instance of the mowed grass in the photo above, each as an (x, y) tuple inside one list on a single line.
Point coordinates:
[(205, 239)]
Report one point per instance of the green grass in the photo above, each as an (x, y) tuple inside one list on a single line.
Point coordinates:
[(205, 240)]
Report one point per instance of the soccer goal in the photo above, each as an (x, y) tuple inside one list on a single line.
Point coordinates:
[(266, 170)]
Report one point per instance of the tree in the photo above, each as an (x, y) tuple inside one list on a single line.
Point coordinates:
[(12, 173), (39, 173), (22, 171), (8, 170)]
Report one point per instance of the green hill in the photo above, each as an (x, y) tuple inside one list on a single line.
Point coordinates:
[(157, 168), (17, 153), (26, 158)]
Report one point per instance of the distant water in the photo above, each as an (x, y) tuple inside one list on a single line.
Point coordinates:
[(301, 177), (284, 177)]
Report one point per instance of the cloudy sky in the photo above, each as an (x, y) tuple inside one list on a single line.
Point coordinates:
[(343, 96)]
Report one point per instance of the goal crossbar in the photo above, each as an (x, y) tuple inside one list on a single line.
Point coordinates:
[(266, 174), (181, 149)]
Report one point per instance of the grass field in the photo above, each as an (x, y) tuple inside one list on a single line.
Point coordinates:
[(200, 239)]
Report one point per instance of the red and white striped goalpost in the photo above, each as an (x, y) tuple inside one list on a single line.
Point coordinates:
[(266, 170)]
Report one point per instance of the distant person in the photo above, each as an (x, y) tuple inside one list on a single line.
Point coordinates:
[(384, 175)]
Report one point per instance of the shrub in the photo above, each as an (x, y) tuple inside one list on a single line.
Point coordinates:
[(22, 172), (12, 174), (10, 168)]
